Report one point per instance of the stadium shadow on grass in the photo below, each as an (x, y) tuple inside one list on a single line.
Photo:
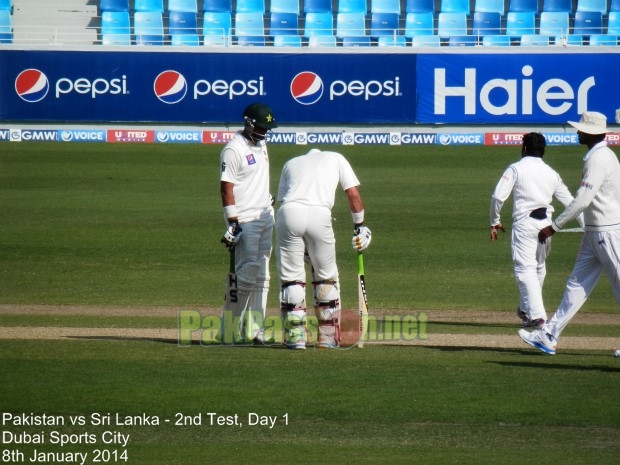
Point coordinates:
[(558, 366), (473, 324)]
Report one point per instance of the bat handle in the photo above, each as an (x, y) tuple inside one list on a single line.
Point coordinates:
[(360, 263)]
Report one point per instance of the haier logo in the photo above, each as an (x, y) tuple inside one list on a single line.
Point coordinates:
[(307, 88), (511, 96)]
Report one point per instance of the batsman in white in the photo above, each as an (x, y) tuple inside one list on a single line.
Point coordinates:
[(307, 191), (533, 185), (248, 211), (598, 198)]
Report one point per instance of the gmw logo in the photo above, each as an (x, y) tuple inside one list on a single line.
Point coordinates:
[(307, 88)]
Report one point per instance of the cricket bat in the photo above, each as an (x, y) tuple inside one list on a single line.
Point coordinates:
[(362, 300), (230, 299)]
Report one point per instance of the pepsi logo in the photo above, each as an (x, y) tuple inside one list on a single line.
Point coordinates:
[(307, 88), (170, 87), (32, 85)]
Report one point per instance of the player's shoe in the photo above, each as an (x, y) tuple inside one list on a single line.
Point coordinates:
[(295, 338), (261, 339), (540, 339)]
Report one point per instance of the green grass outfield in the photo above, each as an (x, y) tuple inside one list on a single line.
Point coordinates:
[(138, 226)]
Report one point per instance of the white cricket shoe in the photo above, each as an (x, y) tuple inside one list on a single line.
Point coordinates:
[(295, 338), (539, 339), (261, 338)]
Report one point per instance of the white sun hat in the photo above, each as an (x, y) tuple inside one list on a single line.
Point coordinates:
[(591, 122)]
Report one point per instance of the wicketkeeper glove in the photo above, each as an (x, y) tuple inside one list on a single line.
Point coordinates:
[(232, 235), (494, 229), (361, 237)]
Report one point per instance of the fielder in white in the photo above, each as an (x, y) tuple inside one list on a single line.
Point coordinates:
[(304, 223), (533, 185), (248, 211), (599, 200)]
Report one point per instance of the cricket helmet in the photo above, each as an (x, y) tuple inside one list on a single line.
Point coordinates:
[(259, 115)]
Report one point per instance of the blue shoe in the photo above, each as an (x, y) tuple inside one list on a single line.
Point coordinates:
[(540, 339)]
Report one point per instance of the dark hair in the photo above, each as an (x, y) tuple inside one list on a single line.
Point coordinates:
[(534, 144)]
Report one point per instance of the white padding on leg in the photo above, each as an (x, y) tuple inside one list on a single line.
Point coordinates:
[(293, 297), (326, 291)]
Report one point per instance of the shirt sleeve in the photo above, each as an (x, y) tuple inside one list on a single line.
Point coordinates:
[(228, 166), (347, 176), (502, 192), (593, 178)]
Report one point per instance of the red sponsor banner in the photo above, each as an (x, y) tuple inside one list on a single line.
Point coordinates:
[(613, 138), (217, 137), (131, 135), (503, 138)]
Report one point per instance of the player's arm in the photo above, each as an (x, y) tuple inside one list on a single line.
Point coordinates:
[(233, 232), (500, 194), (565, 197), (228, 200), (361, 234), (593, 178)]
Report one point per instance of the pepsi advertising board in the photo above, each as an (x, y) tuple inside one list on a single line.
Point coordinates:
[(306, 88), (167, 87)]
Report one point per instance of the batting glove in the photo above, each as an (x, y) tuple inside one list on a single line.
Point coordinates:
[(232, 235), (361, 237), (494, 229)]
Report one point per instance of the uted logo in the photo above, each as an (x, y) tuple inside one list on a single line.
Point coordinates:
[(32, 85), (171, 87), (307, 88)]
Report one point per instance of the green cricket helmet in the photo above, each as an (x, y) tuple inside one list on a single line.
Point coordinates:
[(260, 115)]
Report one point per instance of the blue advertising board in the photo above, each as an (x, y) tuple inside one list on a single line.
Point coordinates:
[(306, 88), (205, 87), (516, 88)]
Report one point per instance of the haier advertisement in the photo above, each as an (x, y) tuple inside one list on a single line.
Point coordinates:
[(306, 88), (523, 88)]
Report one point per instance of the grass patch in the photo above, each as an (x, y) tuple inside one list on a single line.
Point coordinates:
[(115, 224), (377, 405)]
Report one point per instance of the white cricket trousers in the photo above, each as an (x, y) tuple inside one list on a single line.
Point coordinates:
[(528, 257), (599, 251), (252, 254), (298, 228)]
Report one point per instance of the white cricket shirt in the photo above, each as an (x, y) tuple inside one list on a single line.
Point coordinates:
[(312, 179), (533, 184), (247, 167), (599, 195)]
